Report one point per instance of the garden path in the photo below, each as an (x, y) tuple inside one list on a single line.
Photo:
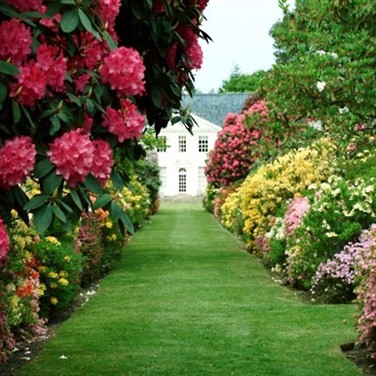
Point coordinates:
[(187, 299)]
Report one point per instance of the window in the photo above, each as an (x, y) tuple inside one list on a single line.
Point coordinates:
[(182, 180), (182, 144), (201, 180), (162, 145), (203, 144)]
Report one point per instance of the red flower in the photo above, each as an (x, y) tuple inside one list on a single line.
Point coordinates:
[(31, 85), (4, 242), (195, 56), (81, 82), (15, 40), (125, 123), (158, 6), (108, 10), (73, 155), (90, 51), (28, 5), (17, 159), (124, 70), (51, 60), (103, 162)]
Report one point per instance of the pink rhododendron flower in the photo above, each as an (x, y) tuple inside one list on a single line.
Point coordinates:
[(125, 123), (16, 41), (73, 155), (90, 51), (88, 123), (195, 56), (158, 6), (103, 162), (171, 56), (26, 5), (295, 212), (51, 60), (124, 70), (17, 159), (4, 242), (108, 10), (31, 85), (51, 23), (81, 82)]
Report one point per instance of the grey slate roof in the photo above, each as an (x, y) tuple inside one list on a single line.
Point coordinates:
[(215, 107)]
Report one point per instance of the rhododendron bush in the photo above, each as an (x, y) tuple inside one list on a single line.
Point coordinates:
[(237, 146), (79, 82)]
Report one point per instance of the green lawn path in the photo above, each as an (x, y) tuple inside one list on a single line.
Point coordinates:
[(186, 299)]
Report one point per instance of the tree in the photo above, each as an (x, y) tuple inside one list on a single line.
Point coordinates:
[(326, 53), (78, 80), (239, 82)]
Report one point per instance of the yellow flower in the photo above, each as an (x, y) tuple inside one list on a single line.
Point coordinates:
[(52, 240), (19, 240), (41, 289), (67, 258), (108, 224), (53, 275), (63, 281), (54, 300), (63, 274)]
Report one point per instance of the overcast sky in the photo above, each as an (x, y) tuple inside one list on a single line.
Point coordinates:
[(240, 33)]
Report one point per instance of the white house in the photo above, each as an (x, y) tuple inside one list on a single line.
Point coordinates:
[(182, 162)]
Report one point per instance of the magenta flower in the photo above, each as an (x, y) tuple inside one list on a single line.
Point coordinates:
[(195, 56), (15, 41), (73, 155), (31, 85), (4, 242), (108, 10), (51, 60), (17, 159), (29, 5), (123, 69), (125, 123), (103, 162)]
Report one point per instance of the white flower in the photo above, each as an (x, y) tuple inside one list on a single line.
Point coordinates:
[(321, 52), (343, 110), (331, 234), (321, 85), (63, 357), (316, 124), (333, 54)]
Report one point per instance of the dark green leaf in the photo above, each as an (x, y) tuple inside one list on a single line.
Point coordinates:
[(111, 43), (85, 20), (53, 8), (127, 223), (59, 213), (55, 125), (116, 210), (36, 202), (117, 180), (102, 201), (74, 99), (91, 183), (8, 68), (69, 20), (90, 106), (65, 206), (43, 218), (51, 182), (3, 92), (43, 167), (76, 199), (16, 112)]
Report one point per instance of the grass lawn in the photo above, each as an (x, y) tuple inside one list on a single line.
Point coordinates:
[(186, 299)]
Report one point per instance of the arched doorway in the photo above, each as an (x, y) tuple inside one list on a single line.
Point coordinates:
[(182, 180)]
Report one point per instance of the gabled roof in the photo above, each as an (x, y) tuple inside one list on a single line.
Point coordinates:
[(215, 107)]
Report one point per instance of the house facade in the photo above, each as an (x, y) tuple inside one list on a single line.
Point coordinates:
[(182, 162)]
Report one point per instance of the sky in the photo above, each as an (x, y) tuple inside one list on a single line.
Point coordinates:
[(240, 33)]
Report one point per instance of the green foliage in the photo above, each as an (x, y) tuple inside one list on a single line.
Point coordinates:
[(239, 82)]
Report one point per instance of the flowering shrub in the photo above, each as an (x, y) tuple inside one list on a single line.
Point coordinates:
[(366, 287), (60, 269), (76, 89), (263, 193), (236, 147), (338, 212)]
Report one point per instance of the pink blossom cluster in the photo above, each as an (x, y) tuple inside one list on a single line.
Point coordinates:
[(236, 148), (123, 69), (90, 52), (295, 213), (366, 290), (28, 5), (75, 156), (17, 159), (260, 109), (108, 11), (191, 47), (126, 123), (16, 41), (4, 242)]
